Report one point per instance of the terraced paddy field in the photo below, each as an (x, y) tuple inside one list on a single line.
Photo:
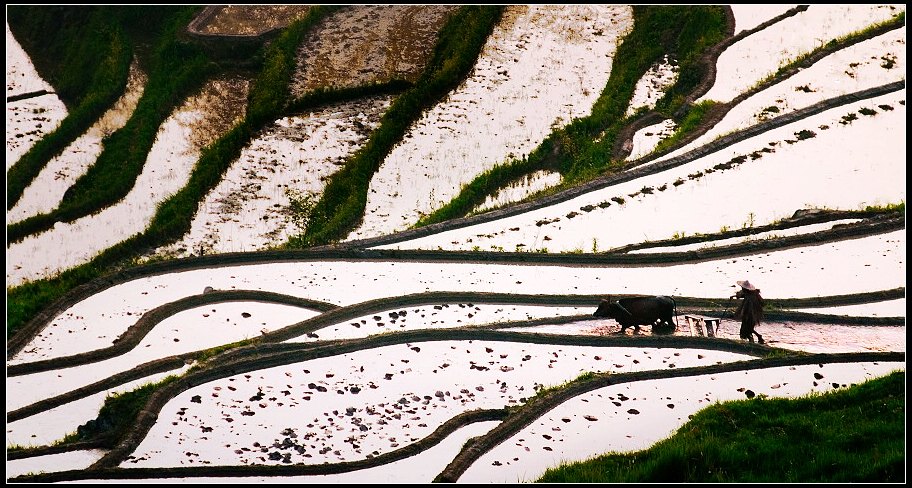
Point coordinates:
[(371, 252)]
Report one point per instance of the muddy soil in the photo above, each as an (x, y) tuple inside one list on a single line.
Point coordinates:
[(251, 20), (368, 43)]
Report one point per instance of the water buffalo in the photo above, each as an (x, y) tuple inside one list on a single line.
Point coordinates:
[(636, 311)]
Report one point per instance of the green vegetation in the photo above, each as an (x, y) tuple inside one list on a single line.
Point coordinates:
[(175, 70), (266, 102), (749, 223), (776, 440), (118, 414), (584, 156), (67, 439), (330, 95), (542, 391), (341, 207), (851, 435), (808, 58), (888, 208), (693, 118), (582, 150), (270, 92), (301, 207), (88, 75), (210, 353), (174, 216)]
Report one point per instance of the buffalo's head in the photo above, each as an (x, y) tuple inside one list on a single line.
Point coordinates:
[(605, 309)]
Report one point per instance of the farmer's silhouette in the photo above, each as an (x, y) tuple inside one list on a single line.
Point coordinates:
[(750, 310)]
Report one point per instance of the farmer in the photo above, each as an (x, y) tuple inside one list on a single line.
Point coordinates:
[(750, 311)]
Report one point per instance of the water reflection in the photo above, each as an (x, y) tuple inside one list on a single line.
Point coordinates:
[(797, 336)]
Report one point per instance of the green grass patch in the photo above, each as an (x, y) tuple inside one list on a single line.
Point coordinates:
[(806, 59), (695, 115), (118, 414), (582, 150), (855, 434), (87, 61), (341, 206), (888, 208), (174, 216), (176, 70)]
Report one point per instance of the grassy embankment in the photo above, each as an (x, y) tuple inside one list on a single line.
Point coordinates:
[(851, 435), (175, 70), (581, 158), (581, 150), (267, 99), (341, 206), (88, 76)]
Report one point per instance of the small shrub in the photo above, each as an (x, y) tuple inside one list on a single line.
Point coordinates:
[(300, 207)]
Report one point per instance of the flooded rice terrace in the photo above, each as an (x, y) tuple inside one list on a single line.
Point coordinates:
[(413, 355)]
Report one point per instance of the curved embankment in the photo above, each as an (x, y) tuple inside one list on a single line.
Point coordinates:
[(336, 315), (31, 329), (799, 219), (439, 434), (712, 117), (718, 111), (716, 114), (623, 142), (259, 356), (542, 404), (136, 332), (638, 170), (513, 421)]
